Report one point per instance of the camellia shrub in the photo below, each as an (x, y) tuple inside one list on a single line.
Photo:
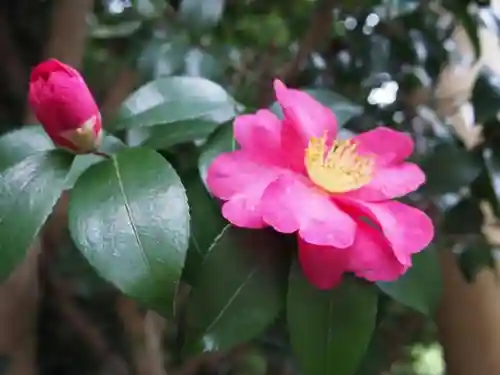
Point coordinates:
[(279, 217)]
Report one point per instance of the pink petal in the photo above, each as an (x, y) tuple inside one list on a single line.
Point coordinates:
[(260, 134), (323, 266), (237, 178), (245, 210), (371, 257), (290, 204), (308, 117), (233, 172), (387, 145), (293, 147), (407, 229), (390, 182)]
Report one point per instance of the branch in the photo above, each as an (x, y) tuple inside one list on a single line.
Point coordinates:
[(145, 335), (85, 329), (125, 82), (20, 293), (319, 30)]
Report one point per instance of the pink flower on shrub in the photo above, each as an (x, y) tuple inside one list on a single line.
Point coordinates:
[(296, 177), (65, 107)]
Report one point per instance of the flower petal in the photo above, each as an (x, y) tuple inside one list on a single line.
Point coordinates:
[(290, 204), (386, 145), (323, 266), (238, 179), (243, 210), (390, 182), (308, 117), (407, 229), (260, 135), (234, 172), (371, 257)]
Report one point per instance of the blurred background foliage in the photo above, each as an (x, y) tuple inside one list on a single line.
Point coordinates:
[(372, 62)]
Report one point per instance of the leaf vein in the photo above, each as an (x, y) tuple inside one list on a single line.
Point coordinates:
[(130, 217), (231, 300)]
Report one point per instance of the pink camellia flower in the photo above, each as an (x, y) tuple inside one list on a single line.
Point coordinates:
[(295, 176), (64, 105)]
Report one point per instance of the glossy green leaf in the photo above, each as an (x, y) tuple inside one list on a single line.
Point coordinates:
[(421, 286), (110, 145), (239, 290), (162, 137), (449, 168), (206, 224), (220, 141), (343, 108), (199, 63), (129, 217), (19, 144), (474, 255), (468, 20), (163, 56), (171, 99), (121, 30), (201, 14), (330, 330), (465, 217), (487, 185), (28, 192), (486, 95), (150, 8)]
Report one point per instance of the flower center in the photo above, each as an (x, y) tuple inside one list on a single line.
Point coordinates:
[(338, 169)]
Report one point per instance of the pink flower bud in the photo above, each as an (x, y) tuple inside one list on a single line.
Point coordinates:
[(64, 105)]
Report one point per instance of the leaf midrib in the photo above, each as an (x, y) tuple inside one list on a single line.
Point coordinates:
[(131, 218), (232, 298)]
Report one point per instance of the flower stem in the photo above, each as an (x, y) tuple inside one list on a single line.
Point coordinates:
[(104, 155)]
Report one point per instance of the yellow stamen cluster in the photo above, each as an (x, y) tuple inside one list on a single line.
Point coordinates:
[(338, 169)]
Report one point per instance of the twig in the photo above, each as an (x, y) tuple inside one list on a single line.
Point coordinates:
[(12, 63), (318, 32), (126, 80), (145, 335), (211, 360), (84, 327), (20, 293)]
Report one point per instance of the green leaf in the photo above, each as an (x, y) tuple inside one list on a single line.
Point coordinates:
[(200, 63), (487, 185), (163, 56), (421, 286), (172, 99), (201, 14), (129, 217), (19, 144), (150, 8), (486, 95), (465, 217), (239, 290), (162, 137), (220, 141), (474, 255), (449, 168), (28, 192), (330, 330), (470, 22), (110, 145), (343, 108), (121, 30), (206, 224)]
